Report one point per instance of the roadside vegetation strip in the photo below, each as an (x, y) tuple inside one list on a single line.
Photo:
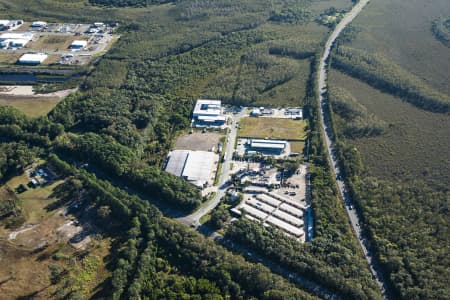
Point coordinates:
[(391, 78), (441, 30), (327, 138), (353, 117), (273, 128)]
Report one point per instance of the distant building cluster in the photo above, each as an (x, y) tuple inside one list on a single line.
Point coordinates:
[(91, 39)]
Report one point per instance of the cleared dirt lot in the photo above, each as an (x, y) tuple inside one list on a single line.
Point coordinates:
[(198, 141)]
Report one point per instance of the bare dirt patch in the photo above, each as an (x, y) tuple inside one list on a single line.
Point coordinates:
[(24, 99), (198, 141)]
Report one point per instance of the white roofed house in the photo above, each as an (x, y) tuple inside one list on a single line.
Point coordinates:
[(208, 113)]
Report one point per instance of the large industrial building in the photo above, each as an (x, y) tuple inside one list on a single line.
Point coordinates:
[(15, 40), (208, 113), (268, 147), (78, 44), (33, 59), (10, 24), (196, 167)]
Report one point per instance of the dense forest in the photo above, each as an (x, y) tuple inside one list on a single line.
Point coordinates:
[(412, 243), (405, 218), (156, 257)]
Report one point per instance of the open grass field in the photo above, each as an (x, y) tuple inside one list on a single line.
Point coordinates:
[(272, 128), (198, 141), (53, 42), (297, 147), (401, 31), (31, 106), (9, 57), (415, 144)]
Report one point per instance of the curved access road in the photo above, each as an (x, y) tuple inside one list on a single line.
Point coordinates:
[(193, 219), (353, 216)]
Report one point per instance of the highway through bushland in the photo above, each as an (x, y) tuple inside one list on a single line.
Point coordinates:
[(348, 204)]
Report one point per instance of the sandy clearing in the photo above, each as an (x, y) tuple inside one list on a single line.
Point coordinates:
[(27, 90), (13, 235)]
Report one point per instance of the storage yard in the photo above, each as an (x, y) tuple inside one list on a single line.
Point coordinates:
[(272, 209), (273, 200)]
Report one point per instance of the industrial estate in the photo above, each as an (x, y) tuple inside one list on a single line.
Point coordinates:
[(252, 167), (39, 42), (242, 149)]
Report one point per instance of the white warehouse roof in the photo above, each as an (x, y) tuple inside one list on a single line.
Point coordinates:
[(199, 166), (78, 44), (269, 144), (177, 160), (205, 107), (33, 58), (13, 36), (39, 24), (195, 166), (293, 230)]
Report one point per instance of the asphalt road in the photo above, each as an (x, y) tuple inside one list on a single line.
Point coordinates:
[(353, 215), (193, 219)]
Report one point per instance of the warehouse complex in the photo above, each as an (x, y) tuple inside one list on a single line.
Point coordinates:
[(197, 167), (208, 113), (251, 166)]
